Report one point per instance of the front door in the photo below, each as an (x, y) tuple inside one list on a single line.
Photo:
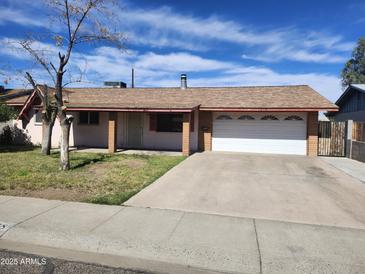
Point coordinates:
[(135, 130)]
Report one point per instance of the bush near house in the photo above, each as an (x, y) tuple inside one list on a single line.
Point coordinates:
[(95, 178), (6, 113), (10, 134)]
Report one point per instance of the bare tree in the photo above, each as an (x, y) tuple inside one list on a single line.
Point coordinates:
[(49, 114), (80, 21)]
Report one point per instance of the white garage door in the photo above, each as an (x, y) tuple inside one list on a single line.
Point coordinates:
[(277, 133)]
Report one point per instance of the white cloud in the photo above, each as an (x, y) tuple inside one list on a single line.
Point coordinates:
[(187, 26), (19, 17), (157, 39), (158, 70), (11, 47), (166, 28), (163, 27), (179, 62), (280, 52)]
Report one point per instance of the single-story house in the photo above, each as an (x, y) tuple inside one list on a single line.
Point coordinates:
[(258, 119), (351, 105)]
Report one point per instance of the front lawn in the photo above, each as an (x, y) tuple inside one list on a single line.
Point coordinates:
[(93, 177)]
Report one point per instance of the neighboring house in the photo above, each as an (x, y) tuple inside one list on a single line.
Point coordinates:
[(268, 119), (9, 133), (17, 96), (351, 105)]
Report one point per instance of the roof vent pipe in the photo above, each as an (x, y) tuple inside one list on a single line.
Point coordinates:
[(132, 77), (184, 83)]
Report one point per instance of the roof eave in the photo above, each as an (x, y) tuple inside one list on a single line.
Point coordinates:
[(144, 109), (14, 104), (335, 109)]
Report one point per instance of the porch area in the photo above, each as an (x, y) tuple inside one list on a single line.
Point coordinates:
[(136, 132), (127, 151)]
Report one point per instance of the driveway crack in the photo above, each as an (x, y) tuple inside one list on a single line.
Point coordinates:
[(258, 245)]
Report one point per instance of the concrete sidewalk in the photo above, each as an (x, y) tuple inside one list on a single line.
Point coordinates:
[(168, 241), (353, 168)]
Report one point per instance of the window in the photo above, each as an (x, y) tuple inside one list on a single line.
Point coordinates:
[(38, 117), (269, 117), (169, 122), (224, 117), (94, 118), (89, 118), (294, 118), (246, 117)]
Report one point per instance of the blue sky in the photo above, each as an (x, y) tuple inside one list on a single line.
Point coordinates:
[(217, 43)]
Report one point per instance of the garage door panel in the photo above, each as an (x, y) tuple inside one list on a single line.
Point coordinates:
[(279, 137), (274, 130), (261, 146)]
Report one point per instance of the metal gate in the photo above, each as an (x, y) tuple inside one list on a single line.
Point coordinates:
[(331, 138)]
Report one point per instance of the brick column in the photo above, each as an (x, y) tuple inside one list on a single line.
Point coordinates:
[(312, 134), (112, 132), (205, 130), (186, 134)]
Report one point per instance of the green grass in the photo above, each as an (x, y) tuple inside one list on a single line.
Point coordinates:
[(93, 177)]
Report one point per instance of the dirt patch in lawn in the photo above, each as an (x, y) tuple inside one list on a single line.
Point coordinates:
[(99, 169), (135, 163)]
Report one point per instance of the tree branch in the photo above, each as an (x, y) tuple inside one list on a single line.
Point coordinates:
[(26, 45), (90, 5), (54, 68), (68, 20), (30, 79)]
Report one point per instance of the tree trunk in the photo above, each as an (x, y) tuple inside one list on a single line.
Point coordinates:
[(47, 138), (64, 146), (48, 123)]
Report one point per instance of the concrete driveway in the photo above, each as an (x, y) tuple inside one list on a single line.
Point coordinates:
[(284, 188)]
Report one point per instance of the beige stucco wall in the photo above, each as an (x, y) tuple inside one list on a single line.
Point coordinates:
[(91, 135), (34, 130), (168, 140)]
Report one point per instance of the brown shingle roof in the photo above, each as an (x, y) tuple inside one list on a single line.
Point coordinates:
[(15, 96), (131, 98), (259, 97), (286, 97)]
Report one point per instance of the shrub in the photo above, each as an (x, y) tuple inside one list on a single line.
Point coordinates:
[(6, 113), (12, 135), (6, 136)]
